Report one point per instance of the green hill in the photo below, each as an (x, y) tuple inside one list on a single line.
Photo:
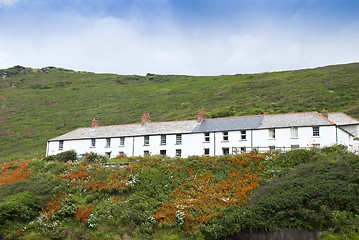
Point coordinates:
[(39, 104)]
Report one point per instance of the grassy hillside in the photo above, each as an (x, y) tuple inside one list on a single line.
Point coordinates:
[(39, 104)]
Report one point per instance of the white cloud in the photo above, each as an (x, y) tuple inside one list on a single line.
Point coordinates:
[(135, 47), (7, 2)]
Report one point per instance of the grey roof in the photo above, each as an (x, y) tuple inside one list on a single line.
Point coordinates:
[(342, 119), (154, 128), (294, 120), (211, 125), (229, 124)]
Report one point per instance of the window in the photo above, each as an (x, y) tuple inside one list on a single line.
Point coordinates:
[(272, 133), (225, 136), (243, 150), (61, 145), (206, 137), (122, 141), (178, 152), (93, 142), (163, 139), (146, 153), (163, 152), (206, 151), (108, 142), (108, 154), (315, 131), (271, 148), (293, 147), (225, 151), (178, 139), (122, 154), (243, 135), (294, 132), (146, 141), (315, 145)]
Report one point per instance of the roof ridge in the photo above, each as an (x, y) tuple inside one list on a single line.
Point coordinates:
[(349, 116), (325, 118)]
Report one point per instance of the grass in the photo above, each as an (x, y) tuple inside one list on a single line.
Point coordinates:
[(40, 104)]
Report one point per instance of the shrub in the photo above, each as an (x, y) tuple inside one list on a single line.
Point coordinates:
[(63, 157), (92, 157)]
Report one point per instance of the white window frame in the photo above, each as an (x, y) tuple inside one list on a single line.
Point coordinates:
[(206, 150), (146, 153), (178, 152), (243, 135), (207, 137), (93, 142), (225, 136), (108, 142), (294, 132), (163, 152), (316, 131), (61, 145), (163, 139), (178, 139), (271, 133), (146, 140), (122, 141), (225, 149)]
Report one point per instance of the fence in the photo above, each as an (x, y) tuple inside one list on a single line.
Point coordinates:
[(238, 150)]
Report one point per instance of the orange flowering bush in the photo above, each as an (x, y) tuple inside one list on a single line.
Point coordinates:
[(204, 196), (53, 207), (83, 213), (14, 171)]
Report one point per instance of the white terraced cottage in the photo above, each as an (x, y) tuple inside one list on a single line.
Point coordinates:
[(212, 137)]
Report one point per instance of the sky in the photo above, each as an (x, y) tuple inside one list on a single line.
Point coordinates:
[(188, 37)]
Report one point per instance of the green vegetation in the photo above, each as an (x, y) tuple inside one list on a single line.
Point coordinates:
[(194, 198), (39, 104)]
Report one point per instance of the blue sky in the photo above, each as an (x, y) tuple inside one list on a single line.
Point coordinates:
[(194, 37)]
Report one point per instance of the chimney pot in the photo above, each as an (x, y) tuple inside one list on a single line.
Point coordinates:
[(146, 119), (325, 113), (95, 122), (201, 115)]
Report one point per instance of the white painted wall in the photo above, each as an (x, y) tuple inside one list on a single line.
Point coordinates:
[(195, 144)]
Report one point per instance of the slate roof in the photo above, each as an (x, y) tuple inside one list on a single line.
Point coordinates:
[(342, 119), (294, 120), (229, 124), (154, 128), (211, 125)]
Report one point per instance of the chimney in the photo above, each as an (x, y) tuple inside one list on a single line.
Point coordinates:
[(95, 122), (146, 119), (201, 116), (325, 113)]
